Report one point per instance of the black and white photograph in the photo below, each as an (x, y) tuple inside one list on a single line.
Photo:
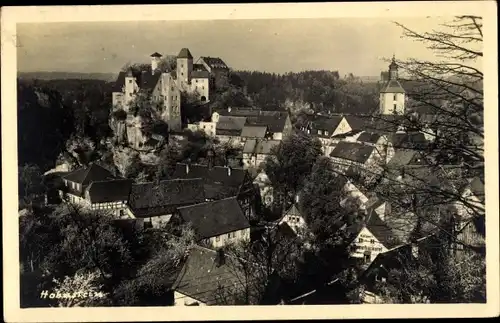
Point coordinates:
[(239, 161)]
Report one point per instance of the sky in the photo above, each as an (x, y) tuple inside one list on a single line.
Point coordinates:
[(349, 45)]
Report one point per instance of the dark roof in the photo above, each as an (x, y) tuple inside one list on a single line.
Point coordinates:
[(477, 187), (87, 175), (201, 278), (214, 62), (151, 199), (274, 120), (185, 53), (402, 157), (254, 131), (381, 231), (353, 151), (357, 122), (325, 123), (370, 137), (156, 54), (214, 218), (284, 231), (200, 74), (408, 140), (392, 86), (145, 80), (109, 191), (231, 123), (119, 83), (216, 176)]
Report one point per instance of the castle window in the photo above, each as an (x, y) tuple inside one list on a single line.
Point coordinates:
[(130, 81), (182, 65), (182, 74), (395, 97), (394, 107)]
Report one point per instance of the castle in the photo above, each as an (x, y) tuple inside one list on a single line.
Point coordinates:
[(165, 88)]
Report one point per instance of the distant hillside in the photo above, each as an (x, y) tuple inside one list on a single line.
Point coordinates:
[(67, 75)]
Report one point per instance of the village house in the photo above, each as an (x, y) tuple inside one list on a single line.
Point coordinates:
[(228, 129), (255, 151), (371, 238), (326, 127), (355, 154), (380, 142), (222, 182), (210, 277), (278, 123), (96, 188), (155, 202), (378, 271), (471, 198), (216, 223), (295, 220), (254, 132)]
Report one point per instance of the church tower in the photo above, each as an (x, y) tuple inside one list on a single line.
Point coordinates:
[(392, 94), (184, 68)]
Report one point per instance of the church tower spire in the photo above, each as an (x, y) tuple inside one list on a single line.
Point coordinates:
[(392, 94)]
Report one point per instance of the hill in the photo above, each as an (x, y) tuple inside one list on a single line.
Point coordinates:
[(67, 75)]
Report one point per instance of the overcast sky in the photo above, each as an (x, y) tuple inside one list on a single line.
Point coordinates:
[(353, 45)]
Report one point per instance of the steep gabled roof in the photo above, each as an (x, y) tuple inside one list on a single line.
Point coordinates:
[(150, 199), (369, 137), (214, 218), (202, 279), (231, 123), (87, 175), (324, 123), (353, 151), (392, 86), (214, 62), (381, 231), (109, 191), (185, 53), (215, 176), (119, 83), (254, 131), (401, 158)]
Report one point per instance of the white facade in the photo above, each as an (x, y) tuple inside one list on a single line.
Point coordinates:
[(228, 238), (392, 103), (366, 241)]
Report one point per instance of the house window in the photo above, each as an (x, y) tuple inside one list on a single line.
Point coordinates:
[(130, 94), (130, 81), (182, 65), (360, 240), (326, 133), (372, 241), (196, 80), (182, 74), (217, 239), (202, 87), (366, 257), (319, 132)]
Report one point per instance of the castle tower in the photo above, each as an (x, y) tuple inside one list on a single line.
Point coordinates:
[(130, 88), (155, 60), (392, 94), (184, 67)]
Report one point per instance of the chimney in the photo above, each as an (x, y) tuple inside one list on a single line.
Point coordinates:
[(220, 258), (297, 198), (228, 109), (228, 171), (210, 158)]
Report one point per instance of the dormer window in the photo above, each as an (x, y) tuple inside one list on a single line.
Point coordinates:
[(320, 132), (326, 133)]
